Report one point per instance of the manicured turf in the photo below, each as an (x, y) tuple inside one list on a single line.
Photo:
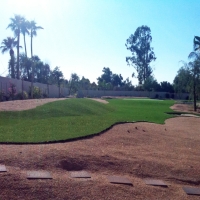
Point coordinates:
[(74, 118)]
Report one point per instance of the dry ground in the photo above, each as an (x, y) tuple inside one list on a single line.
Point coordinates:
[(137, 151)]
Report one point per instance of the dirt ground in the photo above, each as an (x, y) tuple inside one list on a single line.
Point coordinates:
[(137, 151)]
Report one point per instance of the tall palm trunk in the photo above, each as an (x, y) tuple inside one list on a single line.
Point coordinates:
[(18, 40), (31, 45), (32, 75), (25, 45), (12, 66)]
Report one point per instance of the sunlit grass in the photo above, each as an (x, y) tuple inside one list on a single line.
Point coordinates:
[(72, 118)]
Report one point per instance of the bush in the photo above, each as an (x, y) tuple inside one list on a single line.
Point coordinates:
[(22, 95), (45, 95), (167, 95), (172, 96), (2, 94), (12, 91), (37, 93), (156, 96)]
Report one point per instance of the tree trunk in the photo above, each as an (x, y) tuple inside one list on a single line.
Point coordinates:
[(32, 78), (31, 45), (32, 69), (12, 65), (25, 45), (18, 54), (194, 96)]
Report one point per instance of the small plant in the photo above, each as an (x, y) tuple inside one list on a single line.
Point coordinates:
[(37, 93), (12, 91), (22, 95)]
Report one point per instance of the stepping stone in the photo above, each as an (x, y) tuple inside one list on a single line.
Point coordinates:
[(155, 182), (119, 180), (3, 168), (192, 190), (80, 174), (38, 175)]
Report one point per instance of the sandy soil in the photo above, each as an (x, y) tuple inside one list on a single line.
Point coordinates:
[(100, 100), (25, 104), (138, 151)]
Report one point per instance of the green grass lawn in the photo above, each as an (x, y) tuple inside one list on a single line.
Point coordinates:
[(72, 118)]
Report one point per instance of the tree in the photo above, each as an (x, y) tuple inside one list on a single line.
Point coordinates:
[(15, 26), (25, 64), (188, 78), (74, 83), (7, 45), (166, 87), (196, 43), (33, 32), (24, 30), (182, 79), (142, 52), (106, 76), (84, 83), (151, 84), (194, 68), (117, 80)]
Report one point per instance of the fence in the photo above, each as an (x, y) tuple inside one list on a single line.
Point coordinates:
[(52, 91), (101, 93)]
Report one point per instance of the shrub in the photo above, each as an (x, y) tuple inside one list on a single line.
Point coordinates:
[(167, 95), (2, 95), (172, 96), (12, 91), (37, 93), (45, 95), (156, 96), (22, 95)]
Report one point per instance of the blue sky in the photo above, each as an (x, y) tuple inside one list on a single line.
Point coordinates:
[(83, 36)]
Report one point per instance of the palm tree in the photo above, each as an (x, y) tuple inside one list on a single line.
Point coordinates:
[(15, 26), (33, 32), (7, 45), (24, 31), (196, 43)]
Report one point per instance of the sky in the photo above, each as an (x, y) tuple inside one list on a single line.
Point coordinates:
[(83, 36)]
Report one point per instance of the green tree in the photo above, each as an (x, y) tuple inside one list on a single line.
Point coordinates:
[(151, 84), (33, 32), (15, 26), (25, 64), (182, 80), (7, 45), (74, 83), (139, 44), (166, 87), (106, 76), (84, 83)]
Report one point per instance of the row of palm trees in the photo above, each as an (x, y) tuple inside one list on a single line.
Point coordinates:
[(19, 25)]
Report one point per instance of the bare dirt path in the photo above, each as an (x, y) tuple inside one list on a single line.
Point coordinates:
[(169, 152)]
